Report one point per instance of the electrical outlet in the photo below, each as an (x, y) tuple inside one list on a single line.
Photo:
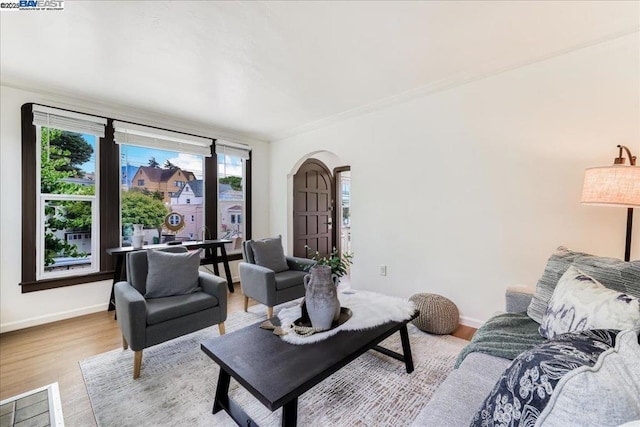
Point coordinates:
[(383, 270)]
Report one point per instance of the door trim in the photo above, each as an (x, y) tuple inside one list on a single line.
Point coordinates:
[(334, 214)]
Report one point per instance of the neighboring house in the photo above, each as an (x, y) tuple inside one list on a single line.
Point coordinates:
[(86, 181), (190, 194), (231, 205), (188, 201), (166, 181), (81, 239)]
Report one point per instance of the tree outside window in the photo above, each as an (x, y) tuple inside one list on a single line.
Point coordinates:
[(67, 200)]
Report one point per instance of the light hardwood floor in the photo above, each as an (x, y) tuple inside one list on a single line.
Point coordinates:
[(34, 357)]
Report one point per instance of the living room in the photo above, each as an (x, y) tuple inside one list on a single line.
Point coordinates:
[(479, 119)]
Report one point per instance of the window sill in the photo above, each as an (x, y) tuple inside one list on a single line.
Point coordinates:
[(42, 285)]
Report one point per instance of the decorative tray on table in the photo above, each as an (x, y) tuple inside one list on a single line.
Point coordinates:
[(304, 321)]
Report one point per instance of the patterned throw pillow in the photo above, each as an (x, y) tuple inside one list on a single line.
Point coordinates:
[(580, 302), (585, 378), (613, 273)]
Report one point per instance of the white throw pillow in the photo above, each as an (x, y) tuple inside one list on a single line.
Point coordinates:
[(579, 302)]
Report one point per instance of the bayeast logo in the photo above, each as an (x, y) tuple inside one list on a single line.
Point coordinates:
[(33, 5), (41, 4)]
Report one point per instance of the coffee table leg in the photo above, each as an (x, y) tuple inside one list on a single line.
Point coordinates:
[(406, 348), (290, 413), (221, 400)]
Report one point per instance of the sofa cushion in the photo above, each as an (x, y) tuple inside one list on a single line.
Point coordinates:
[(163, 309), (269, 253), (580, 302), (613, 273), (172, 274), (531, 389), (461, 394), (290, 278)]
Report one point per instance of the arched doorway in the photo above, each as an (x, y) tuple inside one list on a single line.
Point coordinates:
[(312, 208)]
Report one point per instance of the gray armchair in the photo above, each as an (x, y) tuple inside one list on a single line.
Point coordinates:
[(147, 322), (267, 286)]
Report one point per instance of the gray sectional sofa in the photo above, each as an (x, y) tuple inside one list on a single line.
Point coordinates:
[(495, 369), (458, 398)]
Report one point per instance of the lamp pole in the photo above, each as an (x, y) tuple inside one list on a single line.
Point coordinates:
[(627, 248)]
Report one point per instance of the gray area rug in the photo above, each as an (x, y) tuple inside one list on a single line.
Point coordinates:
[(177, 384)]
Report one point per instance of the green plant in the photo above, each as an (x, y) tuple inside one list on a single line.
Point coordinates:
[(338, 263)]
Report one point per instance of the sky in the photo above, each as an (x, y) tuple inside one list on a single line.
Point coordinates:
[(139, 156)]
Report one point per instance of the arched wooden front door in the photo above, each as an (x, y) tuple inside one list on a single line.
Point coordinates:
[(312, 208)]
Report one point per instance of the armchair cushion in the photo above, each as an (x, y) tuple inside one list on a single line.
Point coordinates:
[(172, 274), (290, 278), (269, 253), (163, 309)]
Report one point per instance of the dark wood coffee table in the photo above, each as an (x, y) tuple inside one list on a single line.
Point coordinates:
[(277, 373)]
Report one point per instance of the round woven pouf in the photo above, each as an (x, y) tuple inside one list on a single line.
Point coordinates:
[(438, 315)]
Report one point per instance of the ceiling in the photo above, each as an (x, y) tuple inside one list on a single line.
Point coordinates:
[(272, 69)]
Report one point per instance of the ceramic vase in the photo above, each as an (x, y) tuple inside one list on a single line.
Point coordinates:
[(138, 236), (321, 297)]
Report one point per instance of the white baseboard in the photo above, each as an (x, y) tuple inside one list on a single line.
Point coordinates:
[(41, 320), (470, 321)]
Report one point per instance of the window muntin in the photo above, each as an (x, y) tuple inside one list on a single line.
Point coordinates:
[(67, 203)]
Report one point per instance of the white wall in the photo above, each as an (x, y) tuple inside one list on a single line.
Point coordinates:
[(469, 190), (18, 310)]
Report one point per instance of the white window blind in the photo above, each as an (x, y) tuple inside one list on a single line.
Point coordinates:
[(143, 136), (69, 121), (233, 149)]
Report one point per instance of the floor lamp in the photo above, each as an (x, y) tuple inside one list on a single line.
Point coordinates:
[(616, 185)]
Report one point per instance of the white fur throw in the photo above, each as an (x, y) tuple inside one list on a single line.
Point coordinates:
[(369, 309)]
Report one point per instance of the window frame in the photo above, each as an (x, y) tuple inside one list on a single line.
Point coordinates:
[(246, 177), (41, 201), (108, 166), (30, 204)]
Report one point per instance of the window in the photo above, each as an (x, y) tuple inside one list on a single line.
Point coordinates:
[(139, 150), (66, 193), (232, 195), (174, 219), (82, 215)]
